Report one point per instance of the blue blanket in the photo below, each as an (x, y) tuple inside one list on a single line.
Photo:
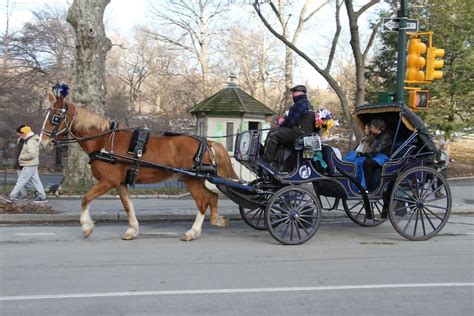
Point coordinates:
[(359, 161)]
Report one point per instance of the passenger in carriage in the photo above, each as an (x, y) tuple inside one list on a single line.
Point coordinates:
[(363, 146), (298, 121), (371, 153), (356, 156), (378, 152)]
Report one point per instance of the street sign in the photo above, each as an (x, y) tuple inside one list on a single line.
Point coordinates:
[(393, 25)]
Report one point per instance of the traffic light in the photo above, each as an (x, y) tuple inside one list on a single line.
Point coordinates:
[(418, 99), (415, 61), (432, 63)]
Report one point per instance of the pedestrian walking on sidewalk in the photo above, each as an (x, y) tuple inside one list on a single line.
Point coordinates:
[(28, 161)]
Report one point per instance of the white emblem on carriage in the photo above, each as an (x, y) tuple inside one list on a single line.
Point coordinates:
[(304, 172)]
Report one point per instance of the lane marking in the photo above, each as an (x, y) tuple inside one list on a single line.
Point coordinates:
[(35, 234), (227, 291)]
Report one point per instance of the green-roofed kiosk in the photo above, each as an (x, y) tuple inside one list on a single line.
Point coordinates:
[(227, 112)]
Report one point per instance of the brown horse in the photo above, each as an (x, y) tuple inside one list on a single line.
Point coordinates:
[(92, 133)]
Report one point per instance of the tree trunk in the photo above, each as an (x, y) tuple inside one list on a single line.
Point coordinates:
[(203, 44), (288, 76), (359, 55), (92, 45), (6, 39)]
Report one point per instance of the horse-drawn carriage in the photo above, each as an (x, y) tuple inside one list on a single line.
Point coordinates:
[(415, 197)]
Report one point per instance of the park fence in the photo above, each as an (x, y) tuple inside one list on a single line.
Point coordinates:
[(51, 170)]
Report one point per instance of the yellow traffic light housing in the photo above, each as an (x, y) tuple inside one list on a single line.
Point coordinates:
[(433, 63), (416, 70), (415, 61), (418, 99)]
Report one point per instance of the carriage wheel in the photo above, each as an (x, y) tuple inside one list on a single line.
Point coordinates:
[(255, 217), (356, 211), (293, 215), (420, 203)]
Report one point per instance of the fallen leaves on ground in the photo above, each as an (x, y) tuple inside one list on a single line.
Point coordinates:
[(27, 207)]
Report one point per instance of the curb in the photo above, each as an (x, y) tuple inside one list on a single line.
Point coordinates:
[(135, 196), (460, 178), (120, 217)]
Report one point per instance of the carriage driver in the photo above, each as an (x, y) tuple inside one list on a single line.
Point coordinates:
[(298, 121)]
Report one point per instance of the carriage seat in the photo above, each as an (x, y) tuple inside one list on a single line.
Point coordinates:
[(334, 162)]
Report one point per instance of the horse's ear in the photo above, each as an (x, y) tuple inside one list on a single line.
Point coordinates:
[(51, 98)]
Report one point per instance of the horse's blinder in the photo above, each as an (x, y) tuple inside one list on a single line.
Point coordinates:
[(56, 120)]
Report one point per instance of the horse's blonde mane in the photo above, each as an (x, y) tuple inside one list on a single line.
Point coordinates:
[(86, 120)]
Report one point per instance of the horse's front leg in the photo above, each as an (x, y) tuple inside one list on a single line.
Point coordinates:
[(133, 225), (97, 190)]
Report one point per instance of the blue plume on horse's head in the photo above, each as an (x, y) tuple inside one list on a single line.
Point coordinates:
[(64, 89), (60, 90)]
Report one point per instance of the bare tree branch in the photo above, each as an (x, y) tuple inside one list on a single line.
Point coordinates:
[(366, 7)]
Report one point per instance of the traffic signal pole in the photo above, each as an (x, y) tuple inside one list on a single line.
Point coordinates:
[(401, 60)]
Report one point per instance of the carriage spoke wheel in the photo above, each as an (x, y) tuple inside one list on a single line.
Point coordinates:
[(420, 203), (255, 217), (356, 211), (293, 215)]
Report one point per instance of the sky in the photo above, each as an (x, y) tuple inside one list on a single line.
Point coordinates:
[(122, 15)]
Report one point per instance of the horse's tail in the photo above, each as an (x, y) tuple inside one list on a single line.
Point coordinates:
[(223, 163)]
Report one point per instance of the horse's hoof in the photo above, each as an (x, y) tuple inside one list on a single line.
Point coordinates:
[(221, 221), (190, 235), (186, 237), (128, 237), (130, 234), (87, 232)]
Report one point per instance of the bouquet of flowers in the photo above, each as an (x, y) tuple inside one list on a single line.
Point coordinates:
[(323, 121)]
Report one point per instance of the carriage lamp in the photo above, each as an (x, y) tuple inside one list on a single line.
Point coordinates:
[(57, 90)]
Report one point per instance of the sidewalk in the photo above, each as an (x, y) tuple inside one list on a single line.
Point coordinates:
[(176, 208)]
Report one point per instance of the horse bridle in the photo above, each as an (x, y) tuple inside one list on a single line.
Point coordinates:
[(62, 124)]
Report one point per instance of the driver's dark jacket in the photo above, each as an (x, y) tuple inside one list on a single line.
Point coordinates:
[(381, 143), (300, 115)]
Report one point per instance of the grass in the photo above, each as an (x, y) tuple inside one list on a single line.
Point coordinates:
[(462, 153)]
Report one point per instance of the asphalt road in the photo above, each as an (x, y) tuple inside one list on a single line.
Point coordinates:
[(344, 270)]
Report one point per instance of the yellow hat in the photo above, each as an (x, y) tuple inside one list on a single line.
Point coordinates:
[(25, 130)]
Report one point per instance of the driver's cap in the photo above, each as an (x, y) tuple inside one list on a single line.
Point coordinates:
[(300, 87)]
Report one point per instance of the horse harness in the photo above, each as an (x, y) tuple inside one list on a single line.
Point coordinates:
[(137, 149)]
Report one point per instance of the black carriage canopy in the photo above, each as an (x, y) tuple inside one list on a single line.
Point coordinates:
[(391, 113)]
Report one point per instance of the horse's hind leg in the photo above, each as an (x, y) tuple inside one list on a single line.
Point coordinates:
[(132, 230), (97, 190), (195, 188), (203, 198), (216, 219)]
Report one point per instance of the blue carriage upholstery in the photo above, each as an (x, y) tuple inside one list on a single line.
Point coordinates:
[(333, 162)]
